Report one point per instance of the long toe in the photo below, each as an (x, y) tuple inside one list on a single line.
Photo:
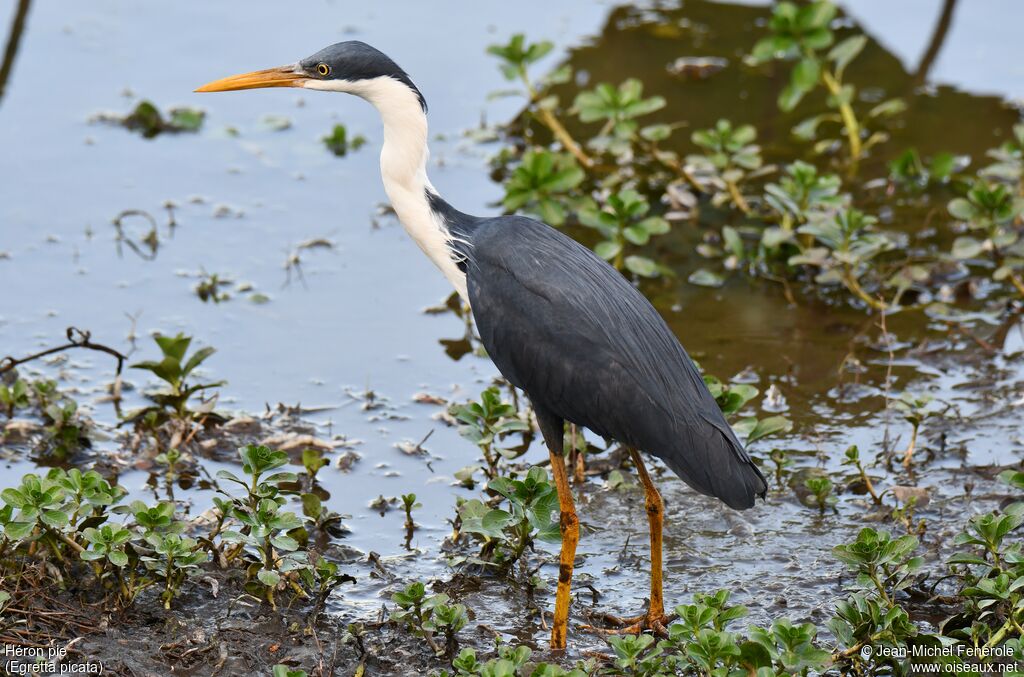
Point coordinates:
[(656, 624)]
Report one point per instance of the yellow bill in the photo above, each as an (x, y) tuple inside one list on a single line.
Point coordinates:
[(282, 76)]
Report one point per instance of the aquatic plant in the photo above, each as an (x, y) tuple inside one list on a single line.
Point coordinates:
[(802, 34), (993, 212), (732, 398), (340, 143), (618, 110), (429, 615), (174, 370), (730, 155), (14, 396), (210, 288), (488, 422), (147, 119), (516, 56), (66, 430), (409, 504), (542, 184), (506, 534), (915, 409), (625, 220), (910, 171), (821, 490)]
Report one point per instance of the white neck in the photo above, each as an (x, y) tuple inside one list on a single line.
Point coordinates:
[(403, 166)]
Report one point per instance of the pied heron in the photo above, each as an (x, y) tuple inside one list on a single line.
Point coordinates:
[(559, 322)]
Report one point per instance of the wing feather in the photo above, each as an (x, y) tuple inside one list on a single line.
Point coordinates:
[(585, 344)]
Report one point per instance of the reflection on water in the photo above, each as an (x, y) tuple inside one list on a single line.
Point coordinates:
[(13, 40)]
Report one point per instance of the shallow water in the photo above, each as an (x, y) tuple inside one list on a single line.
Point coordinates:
[(353, 322)]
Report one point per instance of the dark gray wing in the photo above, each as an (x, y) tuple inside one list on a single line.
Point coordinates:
[(572, 332)]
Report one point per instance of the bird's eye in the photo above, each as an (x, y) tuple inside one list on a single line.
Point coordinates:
[(323, 69)]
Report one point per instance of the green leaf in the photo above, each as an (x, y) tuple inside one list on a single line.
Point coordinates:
[(55, 518), (817, 15), (174, 347), (888, 108), (197, 358), (960, 208), (186, 119), (608, 250), (966, 248), (268, 578), (117, 558), (846, 51), (13, 497), (1013, 478), (655, 225), (703, 277), (640, 265), (286, 543), (656, 132), (496, 520), (16, 531), (805, 74), (808, 129), (636, 234), (789, 97), (769, 426), (941, 166)]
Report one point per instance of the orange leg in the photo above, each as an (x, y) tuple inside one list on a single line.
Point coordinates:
[(553, 429), (570, 527), (655, 520), (655, 618)]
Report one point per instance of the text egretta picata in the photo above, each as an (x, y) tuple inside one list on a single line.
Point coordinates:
[(559, 322)]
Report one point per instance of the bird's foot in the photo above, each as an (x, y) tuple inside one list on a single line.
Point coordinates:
[(653, 622)]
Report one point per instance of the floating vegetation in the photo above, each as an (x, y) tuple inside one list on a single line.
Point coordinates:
[(340, 142), (147, 120)]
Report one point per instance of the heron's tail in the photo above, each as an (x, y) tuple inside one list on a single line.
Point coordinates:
[(713, 462)]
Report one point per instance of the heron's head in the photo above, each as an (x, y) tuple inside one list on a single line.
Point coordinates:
[(352, 67)]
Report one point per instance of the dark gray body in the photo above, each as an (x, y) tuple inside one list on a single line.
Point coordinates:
[(587, 347)]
